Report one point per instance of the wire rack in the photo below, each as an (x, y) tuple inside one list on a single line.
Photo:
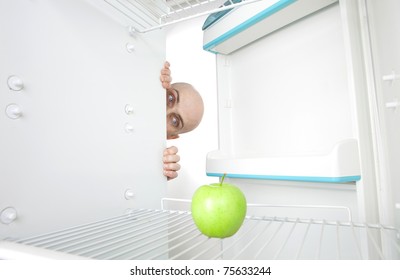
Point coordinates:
[(164, 234), (148, 15)]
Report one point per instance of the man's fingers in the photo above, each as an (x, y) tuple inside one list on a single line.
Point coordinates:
[(170, 174), (171, 151), (171, 158), (172, 166)]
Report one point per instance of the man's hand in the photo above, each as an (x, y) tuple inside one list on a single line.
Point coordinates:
[(170, 157), (165, 76), (171, 165)]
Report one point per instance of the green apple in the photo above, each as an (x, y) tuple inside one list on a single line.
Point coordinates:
[(218, 209)]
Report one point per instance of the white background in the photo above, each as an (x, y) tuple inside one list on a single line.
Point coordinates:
[(191, 64)]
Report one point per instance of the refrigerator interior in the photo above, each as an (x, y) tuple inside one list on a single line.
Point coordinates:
[(307, 98)]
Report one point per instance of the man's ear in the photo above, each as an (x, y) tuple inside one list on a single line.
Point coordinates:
[(173, 137)]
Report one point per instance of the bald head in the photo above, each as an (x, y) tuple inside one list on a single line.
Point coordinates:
[(185, 109)]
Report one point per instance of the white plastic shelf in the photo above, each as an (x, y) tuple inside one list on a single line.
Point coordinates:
[(243, 26), (339, 165), (161, 234)]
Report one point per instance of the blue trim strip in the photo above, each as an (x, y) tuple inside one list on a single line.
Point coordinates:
[(343, 179), (248, 23)]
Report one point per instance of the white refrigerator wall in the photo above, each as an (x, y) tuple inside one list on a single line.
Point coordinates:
[(304, 88), (320, 102), (83, 116), (83, 123), (295, 103), (299, 91), (253, 131), (385, 72)]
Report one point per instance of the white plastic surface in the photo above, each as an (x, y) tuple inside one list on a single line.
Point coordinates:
[(292, 116), (392, 104), (384, 22), (13, 111), (245, 24), (391, 77), (15, 83), (69, 158), (340, 162), (14, 251), (8, 215)]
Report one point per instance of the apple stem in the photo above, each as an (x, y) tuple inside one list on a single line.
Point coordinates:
[(222, 180)]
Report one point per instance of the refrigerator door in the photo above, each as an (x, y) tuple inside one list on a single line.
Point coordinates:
[(83, 122)]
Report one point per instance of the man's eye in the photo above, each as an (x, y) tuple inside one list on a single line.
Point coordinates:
[(170, 99), (174, 121)]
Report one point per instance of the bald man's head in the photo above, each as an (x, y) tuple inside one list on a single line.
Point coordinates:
[(185, 109)]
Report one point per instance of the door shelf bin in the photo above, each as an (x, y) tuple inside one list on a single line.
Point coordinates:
[(339, 165)]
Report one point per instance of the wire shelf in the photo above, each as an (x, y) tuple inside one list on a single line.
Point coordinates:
[(148, 15), (163, 234)]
